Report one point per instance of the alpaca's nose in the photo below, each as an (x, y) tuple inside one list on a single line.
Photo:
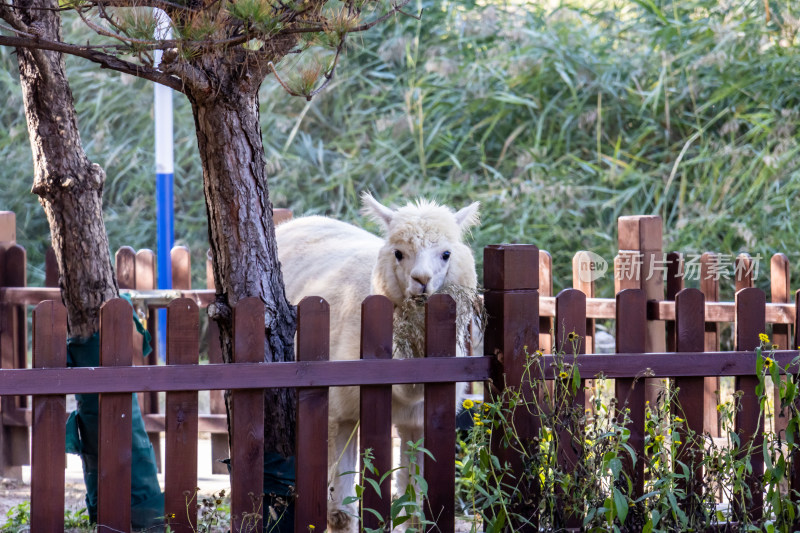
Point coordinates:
[(423, 280)]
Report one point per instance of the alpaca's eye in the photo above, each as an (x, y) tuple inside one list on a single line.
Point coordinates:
[(398, 254), (445, 256)]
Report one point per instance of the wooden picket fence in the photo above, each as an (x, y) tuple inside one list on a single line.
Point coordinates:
[(665, 334)]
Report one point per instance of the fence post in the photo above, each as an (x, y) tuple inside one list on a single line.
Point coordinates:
[(13, 354), (49, 418), (641, 266), (313, 344), (219, 441), (780, 292), (690, 328), (794, 479), (247, 422), (511, 280), (180, 476), (630, 335), (115, 430), (750, 321), (440, 417), (582, 263), (376, 407)]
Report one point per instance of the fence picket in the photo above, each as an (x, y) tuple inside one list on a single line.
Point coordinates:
[(440, 417), (114, 441), (675, 284), (181, 260), (794, 472), (743, 271), (545, 289), (247, 422), (631, 338), (570, 324), (125, 260), (690, 328), (148, 401), (13, 354), (181, 412), (376, 406), (709, 286), (50, 268), (780, 292), (313, 344), (750, 319), (219, 442), (48, 460)]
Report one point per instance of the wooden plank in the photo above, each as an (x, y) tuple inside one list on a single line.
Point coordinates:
[(247, 421), (690, 325), (8, 226), (630, 337), (582, 280), (181, 260), (545, 290), (219, 443), (49, 419), (749, 425), (148, 401), (440, 417), (115, 433), (13, 354), (252, 375), (640, 239), (180, 476), (744, 271), (125, 260), (675, 284), (281, 215), (709, 286), (794, 476), (570, 332), (376, 407), (50, 268), (512, 333), (313, 344), (780, 292)]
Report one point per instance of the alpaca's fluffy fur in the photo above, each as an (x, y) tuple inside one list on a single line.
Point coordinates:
[(344, 264)]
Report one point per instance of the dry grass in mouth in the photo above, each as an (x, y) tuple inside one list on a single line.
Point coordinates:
[(409, 321)]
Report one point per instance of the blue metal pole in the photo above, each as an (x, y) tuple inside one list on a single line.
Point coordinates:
[(165, 201)]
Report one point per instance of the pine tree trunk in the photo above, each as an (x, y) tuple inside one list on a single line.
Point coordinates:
[(242, 238), (69, 186)]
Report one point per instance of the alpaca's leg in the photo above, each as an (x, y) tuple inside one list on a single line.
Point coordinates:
[(342, 457)]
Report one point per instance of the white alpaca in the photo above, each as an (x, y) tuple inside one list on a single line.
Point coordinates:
[(422, 252)]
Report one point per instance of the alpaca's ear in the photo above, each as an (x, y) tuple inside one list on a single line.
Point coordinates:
[(376, 210), (468, 216)]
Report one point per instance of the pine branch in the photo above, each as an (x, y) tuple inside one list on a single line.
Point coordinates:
[(107, 61)]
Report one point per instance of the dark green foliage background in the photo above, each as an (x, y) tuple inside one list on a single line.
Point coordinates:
[(558, 119)]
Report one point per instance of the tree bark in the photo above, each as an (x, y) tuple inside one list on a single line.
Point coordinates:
[(242, 238), (69, 186)]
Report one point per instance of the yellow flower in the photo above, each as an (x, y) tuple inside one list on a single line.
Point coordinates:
[(478, 423), (538, 353), (478, 402), (678, 442), (488, 431), (563, 375), (311, 527), (679, 420), (768, 362), (776, 347), (719, 408), (572, 336), (468, 404), (659, 439), (763, 337)]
